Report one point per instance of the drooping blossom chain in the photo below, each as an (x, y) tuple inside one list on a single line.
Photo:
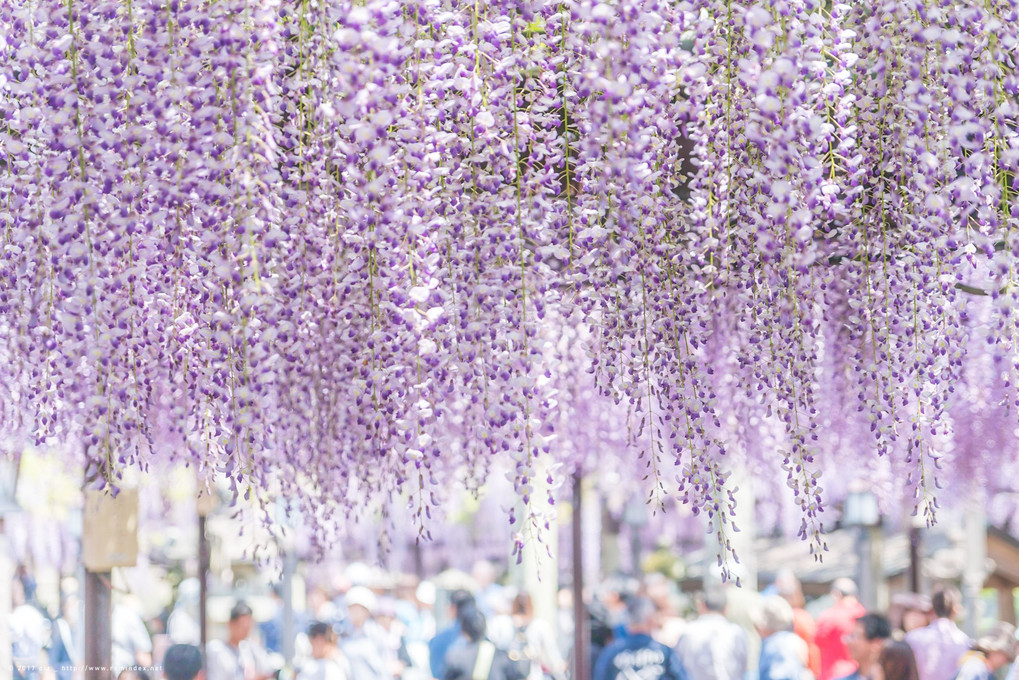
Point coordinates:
[(338, 249)]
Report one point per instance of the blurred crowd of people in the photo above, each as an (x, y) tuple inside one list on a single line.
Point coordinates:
[(482, 630), (738, 635)]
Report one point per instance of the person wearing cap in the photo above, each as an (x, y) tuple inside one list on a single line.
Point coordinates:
[(939, 645), (363, 644), (238, 657), (991, 651)]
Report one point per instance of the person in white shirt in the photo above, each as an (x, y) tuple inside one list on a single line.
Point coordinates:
[(939, 646), (363, 645), (30, 633), (237, 657), (713, 647), (327, 662), (182, 626), (132, 644)]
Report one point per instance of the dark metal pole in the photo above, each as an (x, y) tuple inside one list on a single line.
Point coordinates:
[(98, 639), (419, 559), (914, 559), (581, 639), (203, 580)]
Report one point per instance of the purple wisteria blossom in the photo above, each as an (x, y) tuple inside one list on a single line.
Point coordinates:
[(336, 250)]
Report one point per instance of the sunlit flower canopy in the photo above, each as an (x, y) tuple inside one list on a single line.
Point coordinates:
[(338, 249)]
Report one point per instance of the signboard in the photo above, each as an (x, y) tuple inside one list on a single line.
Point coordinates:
[(110, 530)]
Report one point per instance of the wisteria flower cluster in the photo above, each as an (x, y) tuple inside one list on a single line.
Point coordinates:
[(333, 249)]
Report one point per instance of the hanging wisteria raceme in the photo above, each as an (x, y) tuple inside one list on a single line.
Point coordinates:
[(335, 250)]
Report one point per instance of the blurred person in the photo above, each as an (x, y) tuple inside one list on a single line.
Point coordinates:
[(535, 640), (910, 611), (28, 583), (600, 631), (414, 609), (30, 634), (363, 642), (477, 658), (271, 629), (67, 645), (498, 621), (613, 595), (132, 644), (789, 588), (414, 602), (327, 662), (183, 662), (783, 653), (606, 613), (393, 632), (739, 604), (238, 657), (662, 592), (565, 626), (440, 645), (713, 647), (939, 645), (991, 652), (321, 606), (833, 625), (896, 662), (182, 625), (865, 642), (489, 593), (134, 673), (637, 655)]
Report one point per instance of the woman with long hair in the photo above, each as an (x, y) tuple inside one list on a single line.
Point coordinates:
[(896, 662)]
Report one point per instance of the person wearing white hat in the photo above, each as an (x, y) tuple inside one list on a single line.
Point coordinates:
[(991, 651), (364, 642)]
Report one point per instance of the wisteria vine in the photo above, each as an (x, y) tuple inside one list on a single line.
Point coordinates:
[(333, 249)]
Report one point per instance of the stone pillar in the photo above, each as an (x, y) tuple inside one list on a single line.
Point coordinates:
[(975, 571)]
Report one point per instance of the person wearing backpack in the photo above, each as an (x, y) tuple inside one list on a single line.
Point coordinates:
[(478, 658), (534, 646)]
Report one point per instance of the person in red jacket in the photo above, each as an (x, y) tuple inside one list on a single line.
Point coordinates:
[(833, 625)]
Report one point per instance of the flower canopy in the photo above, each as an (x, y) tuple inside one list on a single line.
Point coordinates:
[(335, 248)]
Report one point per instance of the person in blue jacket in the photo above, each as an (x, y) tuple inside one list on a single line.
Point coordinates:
[(637, 655), (439, 645)]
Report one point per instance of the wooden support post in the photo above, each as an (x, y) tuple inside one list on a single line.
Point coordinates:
[(98, 637), (915, 556), (109, 540)]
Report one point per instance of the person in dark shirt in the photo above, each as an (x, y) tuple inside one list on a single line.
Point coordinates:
[(448, 637), (478, 657), (865, 642), (637, 656)]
